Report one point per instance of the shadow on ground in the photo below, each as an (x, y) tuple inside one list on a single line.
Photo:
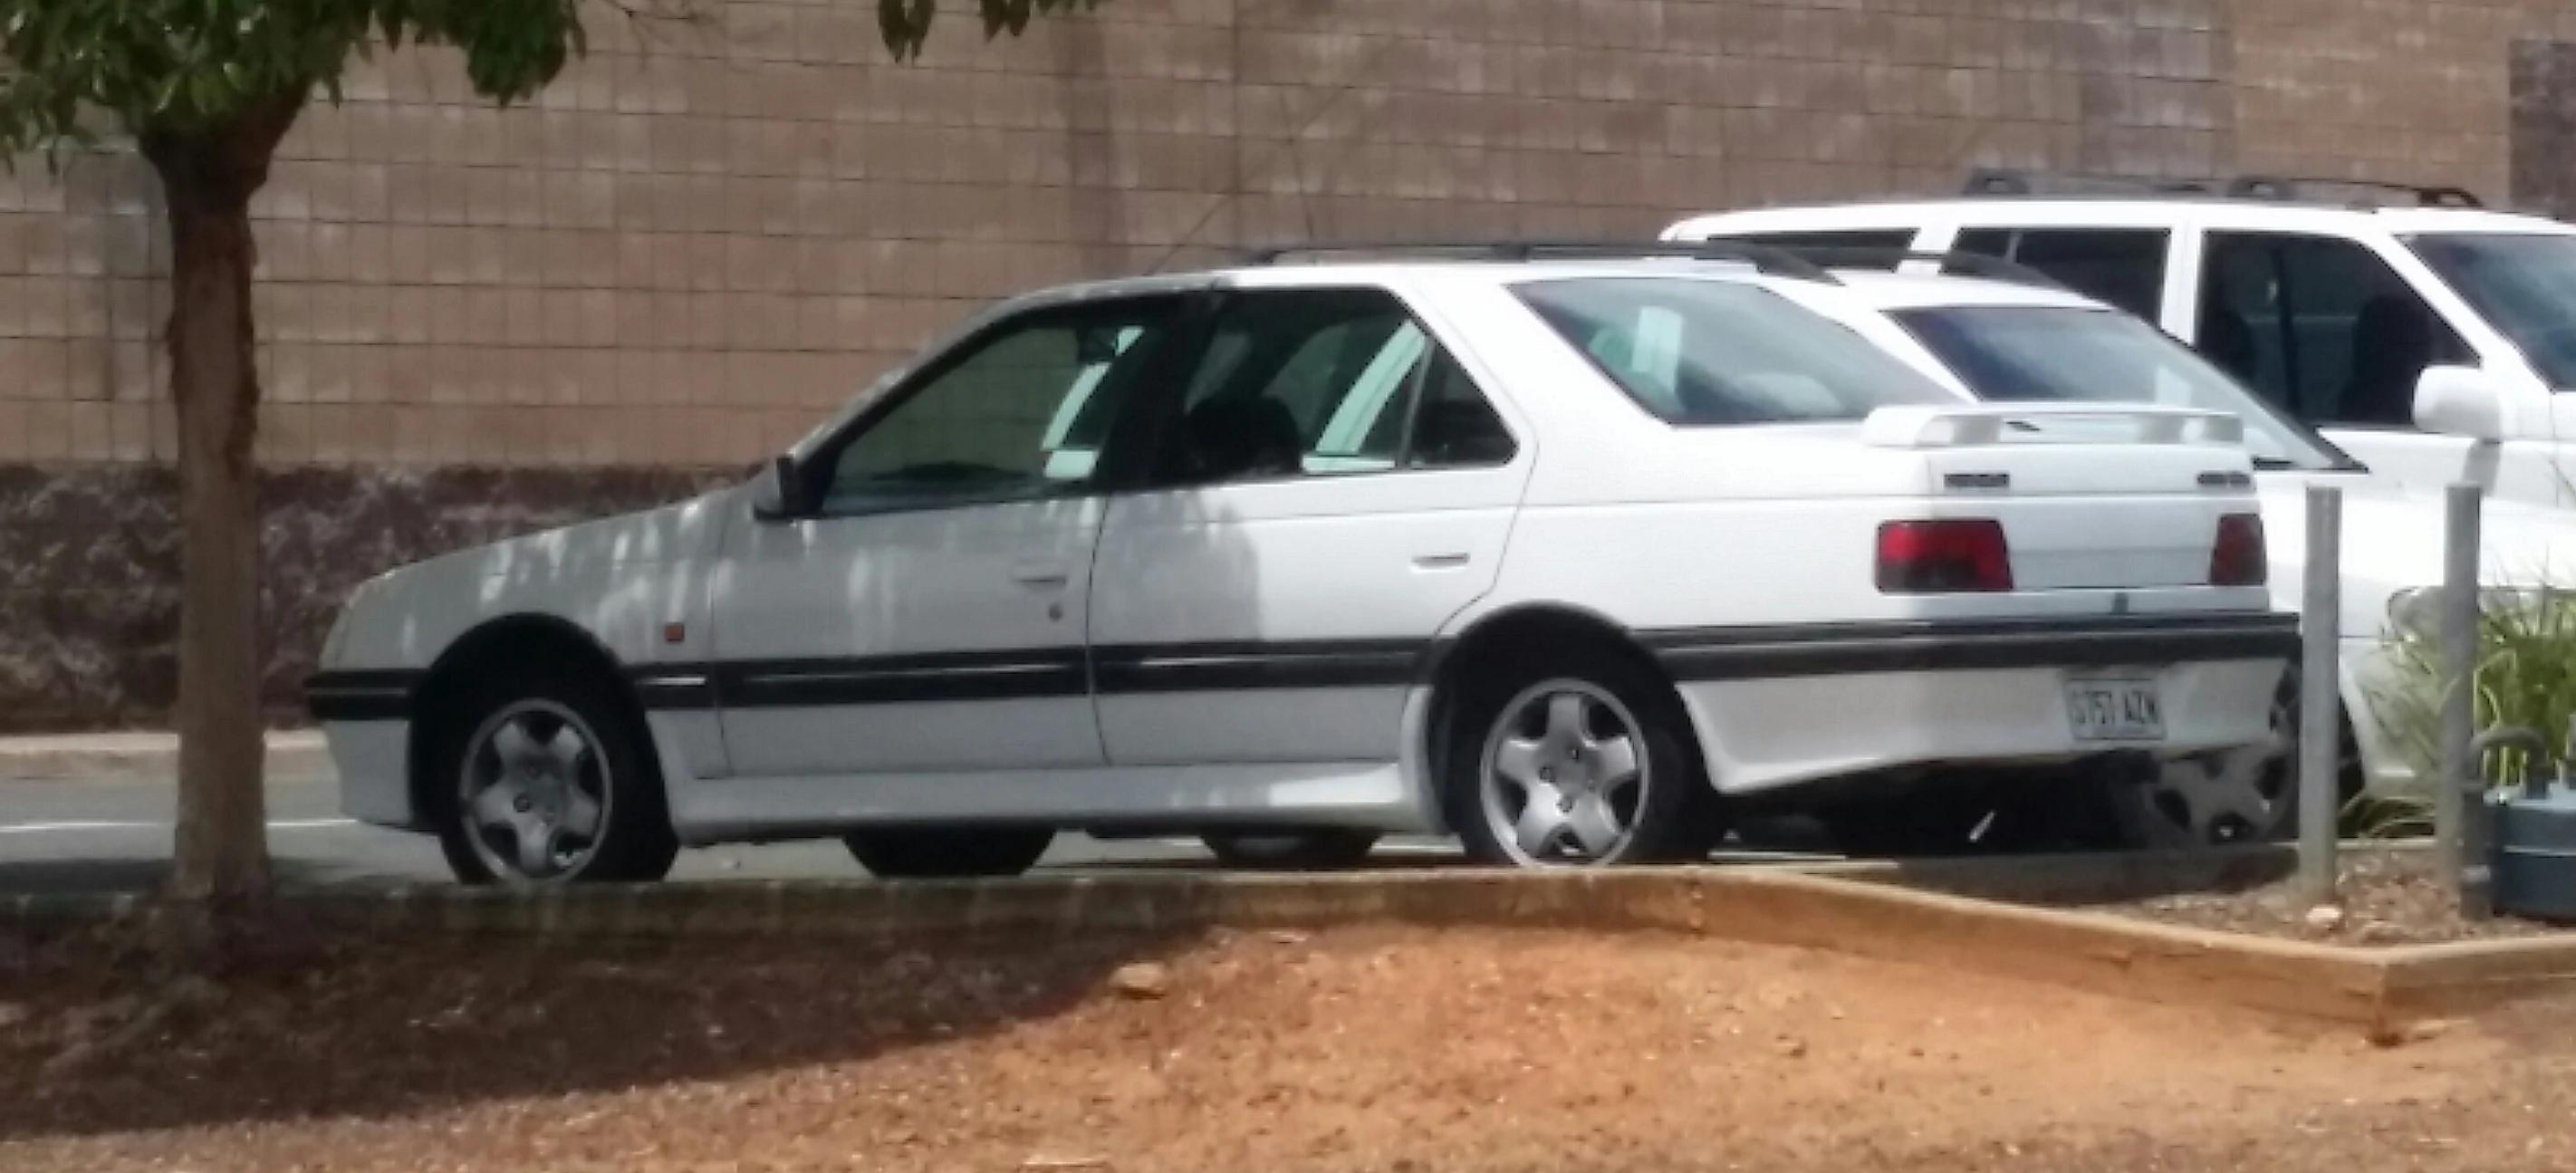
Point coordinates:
[(118, 874), (314, 1026)]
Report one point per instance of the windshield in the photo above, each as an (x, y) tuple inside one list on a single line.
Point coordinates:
[(2523, 284), (2062, 353), (1699, 352)]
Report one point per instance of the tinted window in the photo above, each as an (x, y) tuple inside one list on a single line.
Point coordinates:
[(2124, 267), (2056, 353), (1018, 413), (1720, 352), (1323, 382), (1891, 240), (2523, 284), (2320, 326)]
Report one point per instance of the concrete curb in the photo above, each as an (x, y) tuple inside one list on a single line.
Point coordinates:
[(143, 757), (2376, 989)]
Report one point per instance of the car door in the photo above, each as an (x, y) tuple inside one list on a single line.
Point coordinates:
[(928, 614), (2325, 328), (1329, 488)]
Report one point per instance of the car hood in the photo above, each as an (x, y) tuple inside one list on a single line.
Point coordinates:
[(600, 576), (2393, 541)]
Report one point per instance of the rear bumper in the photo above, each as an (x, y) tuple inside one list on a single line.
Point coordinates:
[(1777, 707), (2107, 641)]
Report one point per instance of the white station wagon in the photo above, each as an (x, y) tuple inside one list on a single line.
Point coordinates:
[(1552, 551)]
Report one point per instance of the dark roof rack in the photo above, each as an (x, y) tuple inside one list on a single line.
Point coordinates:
[(1845, 256), (2284, 188), (1995, 181), (1764, 258)]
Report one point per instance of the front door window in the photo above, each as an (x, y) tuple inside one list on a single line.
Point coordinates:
[(1019, 416), (2319, 325)]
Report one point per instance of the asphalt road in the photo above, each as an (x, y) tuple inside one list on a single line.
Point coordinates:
[(90, 836)]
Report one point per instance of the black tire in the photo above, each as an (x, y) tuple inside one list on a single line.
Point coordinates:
[(1674, 816), (1312, 849), (635, 842), (932, 853)]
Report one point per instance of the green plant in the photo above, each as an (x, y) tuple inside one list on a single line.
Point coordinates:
[(2525, 678), (206, 89)]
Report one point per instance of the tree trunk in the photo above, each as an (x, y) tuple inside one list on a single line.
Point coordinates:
[(208, 175)]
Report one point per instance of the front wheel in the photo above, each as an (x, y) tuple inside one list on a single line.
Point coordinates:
[(550, 784), (933, 853), (1587, 762)]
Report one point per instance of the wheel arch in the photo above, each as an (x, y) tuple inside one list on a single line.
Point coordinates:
[(521, 639), (1497, 638)]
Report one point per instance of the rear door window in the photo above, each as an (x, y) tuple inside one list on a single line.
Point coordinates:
[(2124, 267), (1326, 382)]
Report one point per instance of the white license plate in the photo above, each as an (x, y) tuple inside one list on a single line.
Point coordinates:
[(2115, 709)]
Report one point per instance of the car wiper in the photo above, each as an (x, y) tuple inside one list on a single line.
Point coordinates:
[(2274, 463)]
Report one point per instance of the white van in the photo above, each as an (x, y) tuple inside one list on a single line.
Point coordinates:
[(2430, 338)]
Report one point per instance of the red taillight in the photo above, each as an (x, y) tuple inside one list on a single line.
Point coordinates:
[(2237, 559), (1927, 557)]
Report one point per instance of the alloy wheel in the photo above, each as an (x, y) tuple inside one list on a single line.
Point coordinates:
[(534, 792), (1563, 775)]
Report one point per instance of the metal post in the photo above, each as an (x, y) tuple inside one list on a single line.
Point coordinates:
[(2459, 685), (2320, 737)]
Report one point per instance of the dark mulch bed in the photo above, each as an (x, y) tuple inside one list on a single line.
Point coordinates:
[(2390, 896)]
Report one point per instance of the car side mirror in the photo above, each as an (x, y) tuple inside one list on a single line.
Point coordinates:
[(2459, 401), (780, 494)]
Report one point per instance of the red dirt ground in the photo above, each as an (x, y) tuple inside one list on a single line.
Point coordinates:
[(1361, 1049)]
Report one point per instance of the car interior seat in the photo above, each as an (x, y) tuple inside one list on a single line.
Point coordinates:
[(1457, 426), (2227, 341), (1241, 436), (2392, 343)]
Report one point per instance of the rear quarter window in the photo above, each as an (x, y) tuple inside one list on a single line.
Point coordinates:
[(1700, 352), (2124, 267)]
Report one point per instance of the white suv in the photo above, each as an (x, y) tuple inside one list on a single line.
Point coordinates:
[(2434, 340), (1550, 553)]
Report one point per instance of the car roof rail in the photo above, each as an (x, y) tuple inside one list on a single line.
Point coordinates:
[(1973, 264), (2006, 181), (2288, 187), (2003, 181), (1767, 259)]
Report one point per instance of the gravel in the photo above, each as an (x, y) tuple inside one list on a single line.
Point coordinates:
[(1475, 1051), (2389, 896)]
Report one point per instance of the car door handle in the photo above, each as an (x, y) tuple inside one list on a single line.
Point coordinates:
[(1042, 574), (1439, 561)]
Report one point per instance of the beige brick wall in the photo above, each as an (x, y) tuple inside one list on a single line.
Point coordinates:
[(697, 243)]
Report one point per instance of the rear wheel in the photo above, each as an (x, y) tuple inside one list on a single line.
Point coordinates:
[(2245, 795), (549, 783), (1585, 762), (948, 852), (1316, 849)]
